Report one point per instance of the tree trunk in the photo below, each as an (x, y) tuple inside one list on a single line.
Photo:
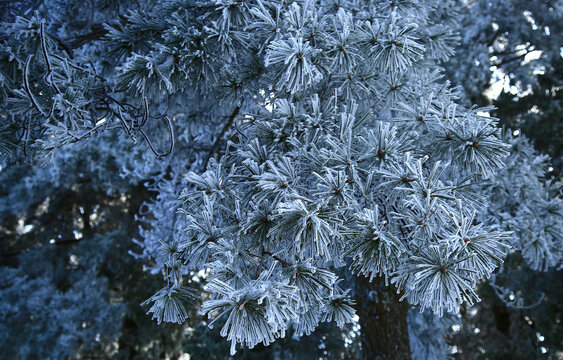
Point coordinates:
[(383, 320)]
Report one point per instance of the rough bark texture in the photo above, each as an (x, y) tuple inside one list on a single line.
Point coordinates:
[(383, 319)]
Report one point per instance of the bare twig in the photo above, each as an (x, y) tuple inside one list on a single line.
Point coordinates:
[(513, 51), (49, 76), (217, 142), (171, 133), (275, 257), (62, 45), (502, 293), (146, 114), (492, 40), (28, 90), (239, 132), (26, 137), (76, 67), (87, 133), (127, 129), (506, 61), (98, 32)]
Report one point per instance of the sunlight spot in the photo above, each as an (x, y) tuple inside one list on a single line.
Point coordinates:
[(73, 260), (22, 228), (77, 234), (532, 55)]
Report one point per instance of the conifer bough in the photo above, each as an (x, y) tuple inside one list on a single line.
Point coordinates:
[(350, 154), (337, 170)]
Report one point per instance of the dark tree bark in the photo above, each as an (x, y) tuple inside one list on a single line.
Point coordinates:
[(383, 320)]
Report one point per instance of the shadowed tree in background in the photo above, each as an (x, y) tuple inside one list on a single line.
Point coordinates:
[(515, 45), (304, 162), (513, 61)]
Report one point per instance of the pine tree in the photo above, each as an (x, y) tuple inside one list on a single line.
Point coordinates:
[(514, 63), (318, 161)]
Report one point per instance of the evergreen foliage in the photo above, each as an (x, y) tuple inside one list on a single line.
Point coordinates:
[(514, 62), (288, 143)]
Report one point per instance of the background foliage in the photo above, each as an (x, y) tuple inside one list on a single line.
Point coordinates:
[(66, 281)]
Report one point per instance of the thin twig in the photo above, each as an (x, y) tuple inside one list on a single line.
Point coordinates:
[(227, 125), (124, 123), (86, 134), (26, 138), (506, 61), (122, 104), (76, 67), (28, 90), (240, 133), (62, 44), (99, 31), (492, 40), (171, 133), (49, 76), (146, 114), (275, 257)]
